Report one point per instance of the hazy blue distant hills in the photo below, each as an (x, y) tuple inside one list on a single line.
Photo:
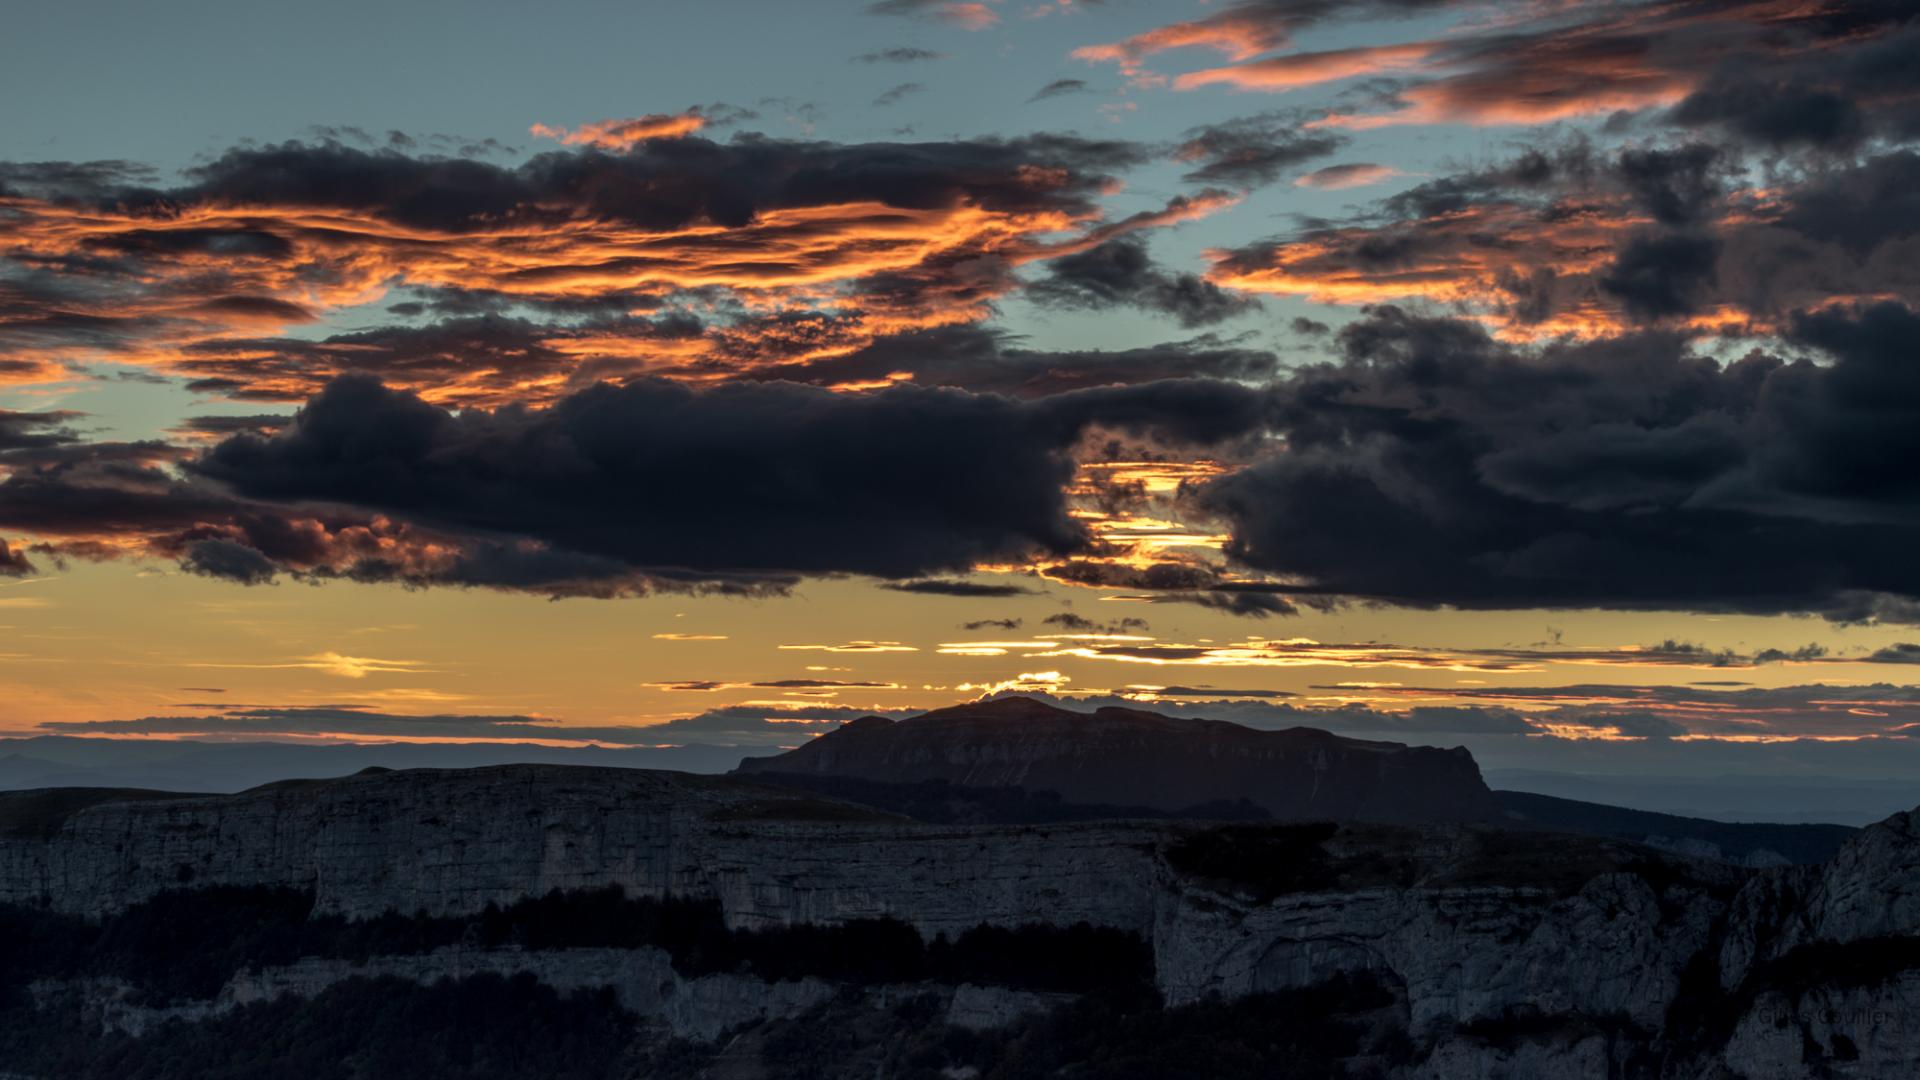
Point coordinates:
[(1046, 764), (65, 761), (1742, 798), (1700, 836)]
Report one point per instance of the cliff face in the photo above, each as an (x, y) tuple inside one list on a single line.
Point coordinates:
[(1823, 962), (1523, 954), (1133, 758), (449, 842)]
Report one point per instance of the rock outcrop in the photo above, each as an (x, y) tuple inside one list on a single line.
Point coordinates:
[(1129, 757), (450, 842), (1511, 952)]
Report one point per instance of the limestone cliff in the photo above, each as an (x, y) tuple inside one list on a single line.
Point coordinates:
[(1510, 953)]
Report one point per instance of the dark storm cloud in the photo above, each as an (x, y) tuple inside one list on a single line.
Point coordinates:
[(1253, 150), (229, 561), (36, 430), (750, 478), (1827, 99), (374, 485), (232, 425), (1436, 465), (995, 624), (113, 500), (986, 360), (13, 563), (1575, 239), (1676, 185), (1770, 70), (1253, 605), (101, 489), (1656, 277), (665, 183), (946, 587), (1863, 209), (801, 220), (1120, 273), (478, 358), (1192, 411)]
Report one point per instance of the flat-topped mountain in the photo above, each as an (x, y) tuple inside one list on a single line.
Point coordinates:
[(1131, 757)]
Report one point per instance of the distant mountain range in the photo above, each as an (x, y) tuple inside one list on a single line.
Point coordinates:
[(1754, 844), (188, 765), (1010, 761), (1831, 800), (1016, 760)]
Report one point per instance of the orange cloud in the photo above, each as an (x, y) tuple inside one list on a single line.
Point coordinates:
[(788, 284), (1444, 259), (1528, 269), (1538, 95), (620, 134), (27, 371), (1309, 69), (1547, 263), (1541, 64), (1238, 36), (1341, 177), (968, 16), (1307, 652)]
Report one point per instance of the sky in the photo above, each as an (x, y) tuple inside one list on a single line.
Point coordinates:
[(1535, 375)]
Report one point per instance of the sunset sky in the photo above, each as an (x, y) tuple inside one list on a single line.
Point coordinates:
[(1432, 371)]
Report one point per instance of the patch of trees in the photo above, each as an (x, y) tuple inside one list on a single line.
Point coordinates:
[(1311, 1034), (1839, 964), (185, 944), (1803, 844), (1705, 1014), (1264, 860), (484, 1026), (1516, 1025), (39, 814), (510, 1028)]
